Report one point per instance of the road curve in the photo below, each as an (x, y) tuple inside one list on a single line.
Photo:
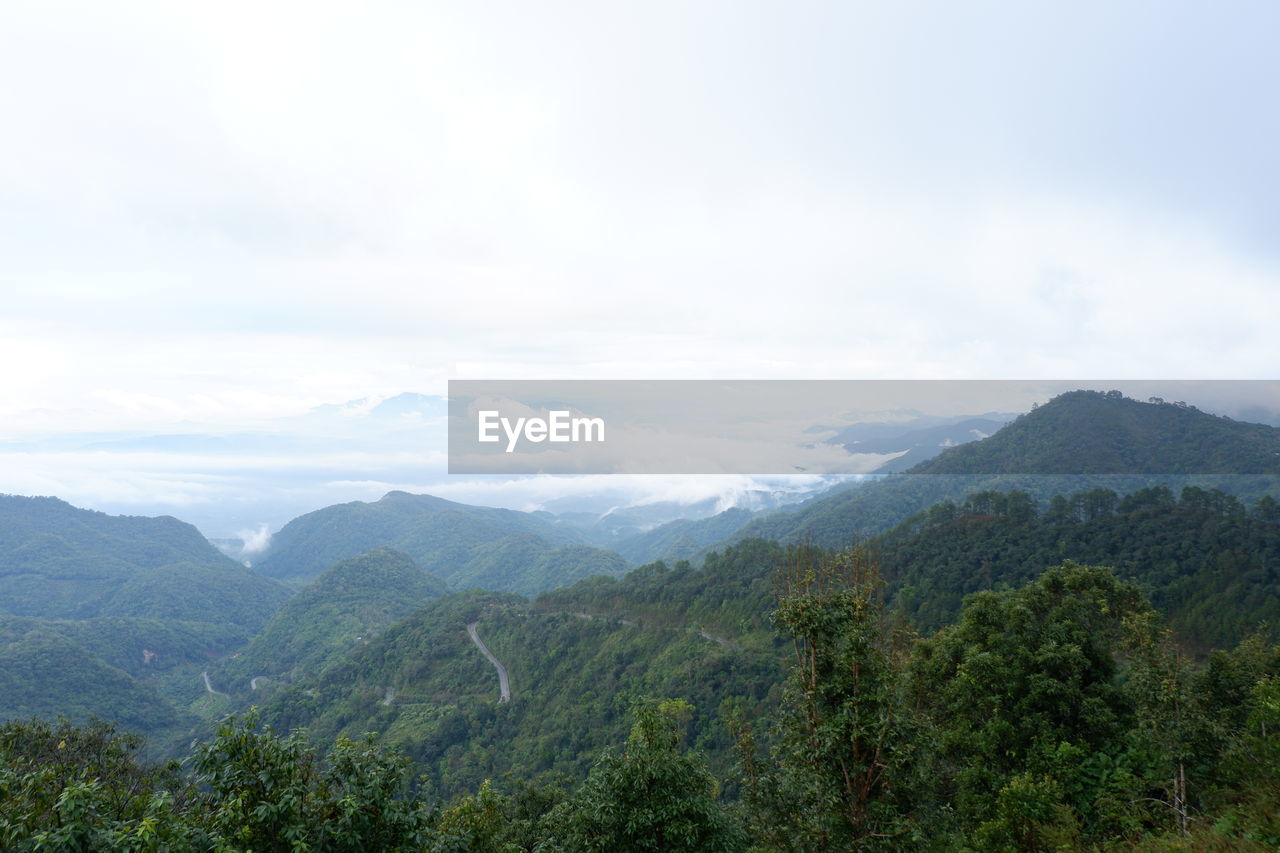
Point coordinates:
[(504, 683), (208, 685)]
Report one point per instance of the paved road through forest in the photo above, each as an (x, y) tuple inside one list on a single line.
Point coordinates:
[(208, 685), (504, 684)]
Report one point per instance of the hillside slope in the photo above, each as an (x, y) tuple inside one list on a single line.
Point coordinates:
[(1209, 565), (60, 562), (1075, 442), (45, 674), (575, 665), (347, 604), (1090, 432), (463, 545)]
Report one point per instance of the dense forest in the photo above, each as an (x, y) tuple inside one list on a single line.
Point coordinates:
[(1211, 566), (1054, 715), (351, 600)]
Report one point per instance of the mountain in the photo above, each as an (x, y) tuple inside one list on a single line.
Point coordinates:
[(463, 545), (347, 604), (843, 516), (524, 564), (614, 514), (1077, 441), (607, 528), (41, 533), (60, 562), (576, 655), (684, 538), (141, 673), (1091, 432), (915, 444)]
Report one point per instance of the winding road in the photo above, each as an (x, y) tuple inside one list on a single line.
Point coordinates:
[(208, 685), (721, 640), (702, 632), (504, 684)]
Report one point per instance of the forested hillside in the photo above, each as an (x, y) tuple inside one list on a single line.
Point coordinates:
[(1055, 715), (1078, 441), (59, 562), (1016, 660), (1091, 432), (117, 616), (347, 604), (684, 538), (141, 647), (466, 546), (574, 674), (45, 674), (1204, 560)]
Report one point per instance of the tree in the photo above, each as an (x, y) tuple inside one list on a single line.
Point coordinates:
[(1267, 509), (1027, 682), (843, 746), (651, 796), (73, 788), (270, 793), (1171, 718)]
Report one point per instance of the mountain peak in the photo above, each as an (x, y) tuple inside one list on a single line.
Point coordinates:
[(1095, 432)]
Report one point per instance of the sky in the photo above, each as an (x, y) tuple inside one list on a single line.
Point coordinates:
[(219, 216)]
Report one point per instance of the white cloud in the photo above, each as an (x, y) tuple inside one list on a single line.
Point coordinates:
[(254, 541), (220, 214)]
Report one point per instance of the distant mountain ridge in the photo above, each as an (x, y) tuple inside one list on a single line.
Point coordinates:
[(60, 562), (684, 538), (1076, 441), (463, 545), (1092, 432), (916, 443)]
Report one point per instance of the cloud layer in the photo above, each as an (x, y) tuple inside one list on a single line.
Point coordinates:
[(215, 215)]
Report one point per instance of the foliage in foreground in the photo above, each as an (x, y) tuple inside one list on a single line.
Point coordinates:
[(83, 789), (1059, 715)]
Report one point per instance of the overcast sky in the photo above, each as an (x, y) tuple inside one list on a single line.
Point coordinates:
[(227, 212)]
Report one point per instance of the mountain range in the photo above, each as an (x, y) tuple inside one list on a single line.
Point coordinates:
[(356, 617)]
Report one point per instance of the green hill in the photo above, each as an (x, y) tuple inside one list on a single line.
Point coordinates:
[(523, 563), (1091, 432), (463, 545), (45, 674), (347, 604), (1209, 565), (576, 658), (193, 592), (683, 538), (40, 533), (144, 648), (1075, 442), (60, 562)]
